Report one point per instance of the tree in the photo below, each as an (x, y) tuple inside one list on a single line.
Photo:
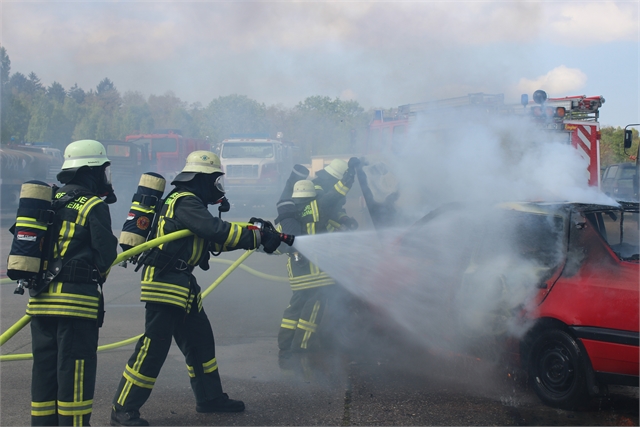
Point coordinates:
[(612, 146), (135, 115), (56, 92), (167, 110), (18, 83), (5, 67), (76, 93), (15, 119), (108, 97), (328, 126), (33, 84), (231, 114)]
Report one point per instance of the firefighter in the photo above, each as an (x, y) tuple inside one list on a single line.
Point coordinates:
[(332, 185), (173, 300), (300, 215), (66, 315)]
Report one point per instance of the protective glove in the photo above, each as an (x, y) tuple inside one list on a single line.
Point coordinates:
[(265, 225), (348, 177), (270, 240), (224, 204), (354, 163), (204, 261), (349, 222)]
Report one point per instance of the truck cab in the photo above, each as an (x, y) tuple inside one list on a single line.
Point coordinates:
[(255, 169)]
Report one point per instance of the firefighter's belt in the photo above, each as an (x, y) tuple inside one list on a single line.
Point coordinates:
[(159, 258), (79, 272)]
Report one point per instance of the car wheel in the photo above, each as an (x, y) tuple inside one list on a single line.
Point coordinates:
[(557, 369)]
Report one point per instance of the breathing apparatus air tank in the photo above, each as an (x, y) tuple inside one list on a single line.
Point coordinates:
[(28, 257), (145, 204)]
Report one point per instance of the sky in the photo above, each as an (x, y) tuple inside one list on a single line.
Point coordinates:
[(380, 53)]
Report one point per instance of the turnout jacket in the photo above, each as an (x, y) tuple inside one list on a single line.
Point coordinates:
[(331, 197), (303, 274), (84, 250), (166, 277)]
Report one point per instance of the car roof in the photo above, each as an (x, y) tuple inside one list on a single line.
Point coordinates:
[(546, 207)]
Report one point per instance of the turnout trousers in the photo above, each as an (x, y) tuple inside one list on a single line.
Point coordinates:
[(64, 370), (194, 336), (299, 327)]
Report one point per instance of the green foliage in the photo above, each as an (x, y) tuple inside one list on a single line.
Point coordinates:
[(612, 146), (231, 114), (328, 126), (56, 92), (5, 67), (34, 113)]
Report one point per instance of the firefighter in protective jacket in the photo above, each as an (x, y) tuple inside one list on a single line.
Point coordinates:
[(172, 295), (332, 185), (314, 207), (301, 215), (67, 313)]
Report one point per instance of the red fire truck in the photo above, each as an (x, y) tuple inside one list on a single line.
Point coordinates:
[(167, 150), (574, 116)]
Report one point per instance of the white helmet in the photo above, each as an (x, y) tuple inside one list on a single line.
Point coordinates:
[(85, 152), (303, 188), (337, 168), (202, 162)]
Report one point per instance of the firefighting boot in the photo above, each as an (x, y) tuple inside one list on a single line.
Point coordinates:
[(129, 418), (221, 404)]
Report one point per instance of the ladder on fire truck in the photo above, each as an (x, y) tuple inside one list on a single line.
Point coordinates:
[(568, 108)]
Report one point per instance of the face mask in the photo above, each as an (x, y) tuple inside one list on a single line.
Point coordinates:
[(107, 175)]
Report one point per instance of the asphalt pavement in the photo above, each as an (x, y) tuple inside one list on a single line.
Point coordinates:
[(390, 383)]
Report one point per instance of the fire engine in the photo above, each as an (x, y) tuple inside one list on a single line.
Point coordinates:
[(575, 117), (166, 150)]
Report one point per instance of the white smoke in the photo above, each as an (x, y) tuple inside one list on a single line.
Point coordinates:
[(461, 277)]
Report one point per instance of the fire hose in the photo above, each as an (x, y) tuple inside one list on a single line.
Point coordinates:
[(120, 258)]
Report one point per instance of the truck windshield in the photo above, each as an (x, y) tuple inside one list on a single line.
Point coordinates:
[(159, 145), (240, 150), (114, 150)]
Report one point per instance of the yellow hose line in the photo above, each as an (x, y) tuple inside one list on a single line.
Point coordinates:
[(253, 271), (14, 329), (25, 319), (123, 256), (226, 273)]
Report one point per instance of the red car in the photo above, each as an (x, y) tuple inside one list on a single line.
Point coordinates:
[(557, 283)]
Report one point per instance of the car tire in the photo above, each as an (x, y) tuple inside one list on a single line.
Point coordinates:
[(557, 369)]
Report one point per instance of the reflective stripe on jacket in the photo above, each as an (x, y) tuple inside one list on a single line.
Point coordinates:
[(304, 274), (176, 285), (74, 243)]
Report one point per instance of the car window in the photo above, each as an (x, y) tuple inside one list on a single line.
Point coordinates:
[(620, 230), (627, 173), (532, 236), (611, 172)]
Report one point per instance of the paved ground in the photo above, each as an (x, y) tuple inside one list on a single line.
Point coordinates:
[(397, 386)]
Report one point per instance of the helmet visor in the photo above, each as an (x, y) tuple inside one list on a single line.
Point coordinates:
[(219, 183)]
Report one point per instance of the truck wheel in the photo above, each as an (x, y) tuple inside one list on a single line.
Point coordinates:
[(557, 371)]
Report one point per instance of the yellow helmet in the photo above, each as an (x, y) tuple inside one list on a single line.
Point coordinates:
[(85, 152), (303, 188), (202, 162), (337, 168)]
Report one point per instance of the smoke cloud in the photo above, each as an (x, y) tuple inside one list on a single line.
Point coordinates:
[(456, 279)]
